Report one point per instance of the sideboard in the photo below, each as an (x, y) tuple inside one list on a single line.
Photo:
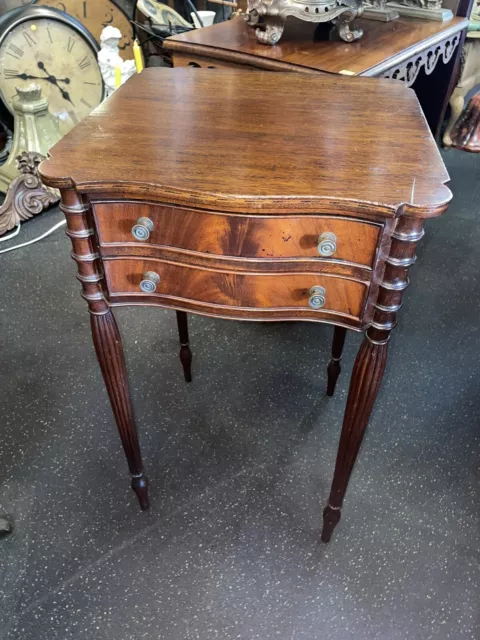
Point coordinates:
[(424, 54)]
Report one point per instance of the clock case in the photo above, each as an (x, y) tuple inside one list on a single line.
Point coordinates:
[(15, 17), (118, 8)]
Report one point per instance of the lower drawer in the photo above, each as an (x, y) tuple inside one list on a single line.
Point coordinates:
[(220, 289)]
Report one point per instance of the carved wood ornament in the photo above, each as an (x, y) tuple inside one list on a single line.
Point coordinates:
[(26, 195), (426, 60)]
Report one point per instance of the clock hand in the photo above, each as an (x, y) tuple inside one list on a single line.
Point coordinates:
[(54, 81), (27, 76), (51, 78), (41, 66), (66, 95)]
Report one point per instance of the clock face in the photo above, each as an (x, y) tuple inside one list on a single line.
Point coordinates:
[(95, 15), (56, 57)]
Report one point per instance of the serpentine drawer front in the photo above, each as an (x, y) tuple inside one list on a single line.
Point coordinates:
[(313, 236), (219, 289), (232, 194)]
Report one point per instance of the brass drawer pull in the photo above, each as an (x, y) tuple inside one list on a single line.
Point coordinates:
[(141, 230), (149, 282), (317, 297), (327, 244)]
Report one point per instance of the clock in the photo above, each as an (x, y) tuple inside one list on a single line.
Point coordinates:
[(97, 14), (49, 48)]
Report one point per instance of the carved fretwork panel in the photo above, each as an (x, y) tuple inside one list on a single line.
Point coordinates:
[(426, 60)]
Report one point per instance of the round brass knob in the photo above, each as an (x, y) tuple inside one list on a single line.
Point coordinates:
[(317, 297), (327, 244), (141, 230), (149, 282)]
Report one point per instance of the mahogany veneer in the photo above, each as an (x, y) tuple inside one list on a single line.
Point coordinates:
[(178, 229), (229, 194)]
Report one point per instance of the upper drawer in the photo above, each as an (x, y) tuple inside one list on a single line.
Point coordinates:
[(240, 236)]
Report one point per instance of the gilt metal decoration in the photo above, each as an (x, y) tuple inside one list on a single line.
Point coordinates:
[(269, 16), (35, 132), (35, 129)]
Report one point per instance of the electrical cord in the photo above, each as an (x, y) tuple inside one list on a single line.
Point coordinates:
[(192, 6), (155, 31), (133, 19), (11, 235), (151, 33), (44, 235)]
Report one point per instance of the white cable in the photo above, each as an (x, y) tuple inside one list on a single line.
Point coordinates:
[(11, 235), (44, 235)]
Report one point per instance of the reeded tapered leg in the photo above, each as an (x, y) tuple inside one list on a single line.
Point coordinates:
[(108, 347), (106, 336), (185, 353), (364, 386), (334, 367), (371, 359)]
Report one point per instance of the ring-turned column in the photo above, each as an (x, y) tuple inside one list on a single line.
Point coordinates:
[(370, 363), (106, 337)]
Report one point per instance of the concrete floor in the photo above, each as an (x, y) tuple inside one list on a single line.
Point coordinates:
[(240, 463)]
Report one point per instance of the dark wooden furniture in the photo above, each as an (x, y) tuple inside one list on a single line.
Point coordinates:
[(422, 53), (185, 190)]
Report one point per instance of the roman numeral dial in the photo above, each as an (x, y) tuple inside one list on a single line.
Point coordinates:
[(97, 14), (84, 63), (59, 58)]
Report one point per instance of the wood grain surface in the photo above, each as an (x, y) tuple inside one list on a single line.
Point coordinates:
[(198, 60), (257, 143), (382, 45), (234, 166), (217, 289), (235, 235)]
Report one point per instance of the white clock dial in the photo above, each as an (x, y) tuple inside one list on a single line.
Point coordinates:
[(55, 56)]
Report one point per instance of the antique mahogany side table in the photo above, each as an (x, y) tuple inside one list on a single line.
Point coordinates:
[(231, 194)]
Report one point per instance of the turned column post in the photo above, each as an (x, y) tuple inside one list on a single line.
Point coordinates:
[(185, 353), (334, 367), (106, 337), (370, 363)]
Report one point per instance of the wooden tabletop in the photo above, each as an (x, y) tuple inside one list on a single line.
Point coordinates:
[(383, 44), (242, 141)]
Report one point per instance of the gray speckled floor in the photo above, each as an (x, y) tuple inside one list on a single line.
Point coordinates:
[(240, 463)]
